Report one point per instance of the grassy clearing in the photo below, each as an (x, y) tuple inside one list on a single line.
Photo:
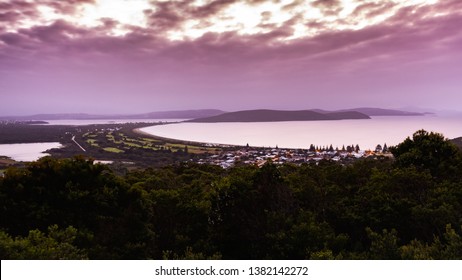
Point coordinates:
[(111, 138), (90, 134), (191, 149), (105, 139), (92, 142), (199, 150), (151, 140), (113, 150), (181, 146), (130, 144)]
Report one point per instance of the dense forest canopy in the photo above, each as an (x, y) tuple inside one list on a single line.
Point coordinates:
[(409, 207)]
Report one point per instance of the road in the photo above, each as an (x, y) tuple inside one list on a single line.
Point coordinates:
[(73, 139)]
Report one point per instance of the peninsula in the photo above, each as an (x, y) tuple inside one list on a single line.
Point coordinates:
[(280, 116)]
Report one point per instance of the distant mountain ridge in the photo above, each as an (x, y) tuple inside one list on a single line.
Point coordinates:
[(222, 116), (264, 115), (385, 112), (376, 112), (180, 114)]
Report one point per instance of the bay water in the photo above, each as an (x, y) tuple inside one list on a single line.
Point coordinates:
[(27, 152), (367, 133)]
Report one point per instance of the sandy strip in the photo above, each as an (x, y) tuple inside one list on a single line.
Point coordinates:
[(179, 141)]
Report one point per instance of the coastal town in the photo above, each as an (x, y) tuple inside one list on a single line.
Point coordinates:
[(124, 146), (260, 155)]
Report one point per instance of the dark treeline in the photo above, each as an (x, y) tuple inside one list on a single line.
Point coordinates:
[(406, 208)]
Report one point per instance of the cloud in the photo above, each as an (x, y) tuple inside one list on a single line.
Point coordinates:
[(373, 9), (212, 8), (69, 7), (416, 40), (10, 16), (393, 37), (328, 7), (12, 12), (165, 16), (292, 5), (171, 14)]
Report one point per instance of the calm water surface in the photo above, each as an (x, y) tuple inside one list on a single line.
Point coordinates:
[(27, 152), (300, 134)]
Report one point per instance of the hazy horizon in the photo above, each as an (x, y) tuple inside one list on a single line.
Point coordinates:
[(134, 113), (139, 56)]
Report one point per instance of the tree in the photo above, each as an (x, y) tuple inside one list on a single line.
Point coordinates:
[(55, 245), (449, 247), (383, 246), (109, 214), (429, 151)]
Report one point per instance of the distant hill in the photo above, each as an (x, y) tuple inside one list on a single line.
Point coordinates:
[(385, 112), (185, 114), (39, 117), (375, 112), (457, 142), (222, 116), (278, 115)]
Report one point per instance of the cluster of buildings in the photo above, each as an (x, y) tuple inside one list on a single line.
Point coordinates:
[(259, 156)]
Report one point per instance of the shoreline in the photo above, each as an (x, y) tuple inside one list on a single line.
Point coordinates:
[(301, 135), (185, 142)]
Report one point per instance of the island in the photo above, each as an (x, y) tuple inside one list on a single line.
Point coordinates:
[(265, 115)]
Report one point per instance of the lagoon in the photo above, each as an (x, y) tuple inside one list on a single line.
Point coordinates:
[(300, 134), (27, 152)]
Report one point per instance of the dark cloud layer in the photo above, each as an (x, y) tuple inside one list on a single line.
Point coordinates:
[(64, 67)]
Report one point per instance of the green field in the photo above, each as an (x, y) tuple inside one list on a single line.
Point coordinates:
[(115, 141), (113, 150)]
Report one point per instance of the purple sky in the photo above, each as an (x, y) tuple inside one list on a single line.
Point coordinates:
[(139, 56)]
